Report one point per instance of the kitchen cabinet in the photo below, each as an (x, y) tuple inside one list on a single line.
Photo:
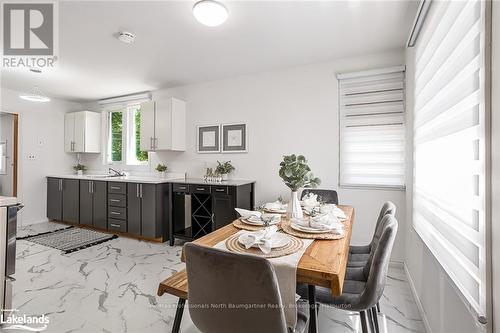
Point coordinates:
[(200, 208), (93, 203), (54, 199), (82, 132), (147, 210), (71, 200), (163, 125)]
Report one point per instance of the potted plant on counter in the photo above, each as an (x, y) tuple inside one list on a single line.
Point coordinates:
[(224, 169), (296, 174), (79, 168), (162, 169)]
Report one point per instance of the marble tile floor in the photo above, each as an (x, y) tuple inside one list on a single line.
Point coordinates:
[(111, 287)]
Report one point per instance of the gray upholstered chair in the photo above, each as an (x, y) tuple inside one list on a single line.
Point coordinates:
[(358, 255), (221, 278), (364, 286), (328, 196)]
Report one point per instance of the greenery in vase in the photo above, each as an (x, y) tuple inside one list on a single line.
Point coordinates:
[(296, 173), (224, 168), (79, 167), (161, 168)]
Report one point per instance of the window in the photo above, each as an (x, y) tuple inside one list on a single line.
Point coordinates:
[(124, 131), (449, 144), (372, 128)]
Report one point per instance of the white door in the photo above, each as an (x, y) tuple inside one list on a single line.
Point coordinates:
[(147, 125), (163, 125), (69, 132), (79, 137)]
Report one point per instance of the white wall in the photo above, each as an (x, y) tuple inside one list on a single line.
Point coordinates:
[(287, 111), (41, 133), (443, 309), (7, 135)]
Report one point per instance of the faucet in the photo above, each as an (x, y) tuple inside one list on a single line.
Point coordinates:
[(116, 173)]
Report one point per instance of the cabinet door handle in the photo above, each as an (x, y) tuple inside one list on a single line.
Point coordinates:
[(155, 143), (200, 189), (115, 225), (220, 190), (115, 187), (141, 189), (115, 213), (114, 200), (151, 143), (90, 187), (182, 187), (60, 185), (137, 190)]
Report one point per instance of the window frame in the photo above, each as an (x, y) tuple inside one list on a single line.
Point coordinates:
[(129, 158)]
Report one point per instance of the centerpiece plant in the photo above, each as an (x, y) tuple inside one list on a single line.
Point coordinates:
[(296, 174)]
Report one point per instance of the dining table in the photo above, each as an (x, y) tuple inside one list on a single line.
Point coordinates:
[(323, 264)]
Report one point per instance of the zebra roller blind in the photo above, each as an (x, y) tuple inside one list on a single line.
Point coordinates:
[(372, 128), (450, 145)]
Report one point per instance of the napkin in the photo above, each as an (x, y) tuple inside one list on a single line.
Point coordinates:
[(310, 200), (277, 205), (333, 209), (263, 238), (245, 214), (326, 222)]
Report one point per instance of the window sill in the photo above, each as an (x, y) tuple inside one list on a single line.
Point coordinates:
[(373, 187)]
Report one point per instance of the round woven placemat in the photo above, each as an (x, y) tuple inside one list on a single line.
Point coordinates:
[(285, 226), (293, 246), (245, 226)]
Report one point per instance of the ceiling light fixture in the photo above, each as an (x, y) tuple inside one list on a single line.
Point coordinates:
[(210, 13), (36, 96), (126, 37)]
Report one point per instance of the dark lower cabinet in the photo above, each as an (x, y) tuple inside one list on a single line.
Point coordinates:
[(54, 199), (147, 210), (198, 209), (93, 203), (71, 200)]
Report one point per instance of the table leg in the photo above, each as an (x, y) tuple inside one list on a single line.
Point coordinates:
[(178, 315), (313, 314)]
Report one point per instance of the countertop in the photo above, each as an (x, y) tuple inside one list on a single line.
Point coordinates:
[(199, 181), (127, 179), (8, 201), (172, 178)]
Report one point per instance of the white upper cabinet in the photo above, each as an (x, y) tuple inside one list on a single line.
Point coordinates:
[(163, 125), (82, 132)]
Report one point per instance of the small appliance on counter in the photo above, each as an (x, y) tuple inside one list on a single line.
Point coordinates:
[(9, 206)]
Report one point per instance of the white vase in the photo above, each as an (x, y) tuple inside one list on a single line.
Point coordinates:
[(79, 172), (294, 208), (163, 174), (225, 176)]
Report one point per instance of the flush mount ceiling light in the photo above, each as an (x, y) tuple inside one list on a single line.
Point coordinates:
[(36, 96), (126, 37), (210, 13)]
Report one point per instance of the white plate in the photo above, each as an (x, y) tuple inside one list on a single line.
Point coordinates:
[(279, 240), (277, 211), (312, 230), (257, 223)]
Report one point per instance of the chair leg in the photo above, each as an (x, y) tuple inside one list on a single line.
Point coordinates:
[(364, 326), (178, 315), (370, 320), (375, 319), (378, 307), (313, 315)]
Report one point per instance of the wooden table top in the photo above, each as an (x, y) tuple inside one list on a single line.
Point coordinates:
[(322, 264)]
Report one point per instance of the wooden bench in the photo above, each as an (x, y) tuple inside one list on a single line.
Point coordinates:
[(176, 285)]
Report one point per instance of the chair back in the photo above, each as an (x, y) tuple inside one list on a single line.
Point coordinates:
[(231, 292), (328, 196), (379, 263), (387, 208)]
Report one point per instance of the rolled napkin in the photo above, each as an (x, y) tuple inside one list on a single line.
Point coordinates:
[(277, 205), (333, 209), (262, 238), (246, 214), (310, 200)]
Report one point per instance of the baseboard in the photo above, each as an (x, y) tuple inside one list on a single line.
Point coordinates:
[(427, 326)]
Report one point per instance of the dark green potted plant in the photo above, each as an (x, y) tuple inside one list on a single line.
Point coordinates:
[(296, 174), (224, 169), (162, 169), (79, 168)]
